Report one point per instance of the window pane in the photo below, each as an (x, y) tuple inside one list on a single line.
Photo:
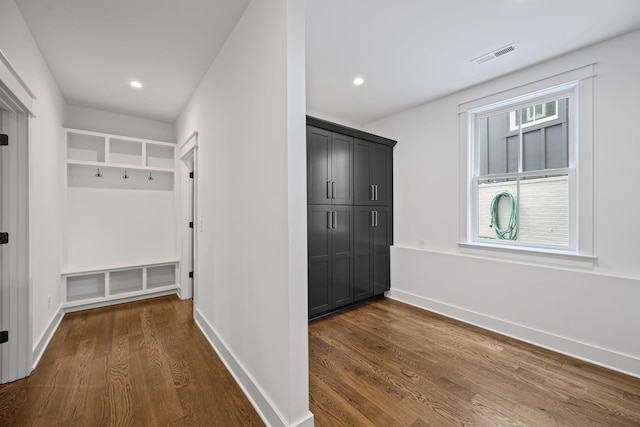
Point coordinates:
[(538, 112), (497, 209), (498, 145), (545, 139), (544, 210)]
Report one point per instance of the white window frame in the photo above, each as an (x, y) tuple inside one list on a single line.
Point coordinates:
[(475, 115), (581, 251)]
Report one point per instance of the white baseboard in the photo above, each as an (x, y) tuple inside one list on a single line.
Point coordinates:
[(623, 363), (265, 408), (43, 341), (307, 421)]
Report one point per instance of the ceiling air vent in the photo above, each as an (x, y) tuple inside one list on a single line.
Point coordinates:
[(498, 52)]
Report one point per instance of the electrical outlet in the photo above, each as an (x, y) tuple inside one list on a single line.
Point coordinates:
[(422, 244), (49, 302), (200, 225)]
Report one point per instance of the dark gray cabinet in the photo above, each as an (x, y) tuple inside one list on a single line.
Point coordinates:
[(372, 239), (349, 215), (330, 256), (329, 167), (372, 174)]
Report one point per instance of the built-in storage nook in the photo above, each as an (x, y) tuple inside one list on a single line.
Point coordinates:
[(349, 215), (120, 219)]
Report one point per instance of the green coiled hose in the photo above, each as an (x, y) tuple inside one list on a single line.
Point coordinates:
[(510, 232)]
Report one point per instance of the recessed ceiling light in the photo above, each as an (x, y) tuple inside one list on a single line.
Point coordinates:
[(358, 81), (136, 84)]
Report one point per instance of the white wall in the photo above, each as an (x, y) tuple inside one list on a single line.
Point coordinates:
[(118, 124), (119, 224), (115, 227), (45, 209), (590, 313), (251, 300)]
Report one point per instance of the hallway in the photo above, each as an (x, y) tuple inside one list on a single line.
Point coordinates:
[(136, 364)]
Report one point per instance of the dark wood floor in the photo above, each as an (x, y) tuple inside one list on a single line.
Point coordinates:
[(390, 364), (139, 364), (384, 364)]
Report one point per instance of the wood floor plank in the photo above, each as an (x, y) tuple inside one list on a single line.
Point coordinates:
[(156, 373), (384, 364), (342, 384), (11, 396), (77, 384), (98, 395), (438, 371), (119, 389), (144, 363)]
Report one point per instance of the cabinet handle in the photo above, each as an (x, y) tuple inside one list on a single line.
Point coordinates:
[(335, 219), (376, 186), (333, 189), (329, 195), (373, 220), (376, 218), (373, 195), (329, 216)]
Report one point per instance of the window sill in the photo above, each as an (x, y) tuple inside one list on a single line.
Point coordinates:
[(530, 255)]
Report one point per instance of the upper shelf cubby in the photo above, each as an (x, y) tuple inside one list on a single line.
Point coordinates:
[(104, 150), (85, 147), (125, 152), (160, 156)]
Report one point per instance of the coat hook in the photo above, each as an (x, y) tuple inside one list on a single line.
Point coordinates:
[(150, 177), (125, 175), (99, 175)]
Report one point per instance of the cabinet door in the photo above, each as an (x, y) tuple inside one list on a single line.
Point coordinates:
[(364, 194), (380, 174), (381, 243), (329, 167), (319, 258), (363, 247), (341, 169), (342, 255), (318, 166), (372, 242), (372, 173)]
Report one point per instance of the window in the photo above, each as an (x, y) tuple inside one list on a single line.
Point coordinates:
[(533, 115), (523, 171)]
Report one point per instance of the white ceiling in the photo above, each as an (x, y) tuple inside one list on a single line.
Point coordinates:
[(95, 47), (413, 51), (408, 51)]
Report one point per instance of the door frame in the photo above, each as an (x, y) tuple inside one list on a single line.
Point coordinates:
[(17, 317), (188, 154)]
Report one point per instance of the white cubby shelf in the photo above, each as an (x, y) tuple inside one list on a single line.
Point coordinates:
[(119, 210), (116, 166), (86, 148), (99, 286)]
